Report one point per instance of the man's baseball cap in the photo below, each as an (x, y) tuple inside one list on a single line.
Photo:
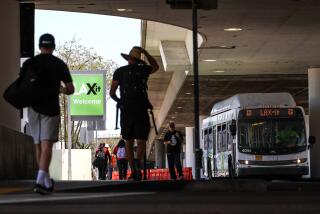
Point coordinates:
[(46, 41)]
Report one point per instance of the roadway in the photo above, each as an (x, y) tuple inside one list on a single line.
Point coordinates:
[(218, 196)]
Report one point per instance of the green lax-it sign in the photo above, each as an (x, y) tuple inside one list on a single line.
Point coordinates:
[(89, 95)]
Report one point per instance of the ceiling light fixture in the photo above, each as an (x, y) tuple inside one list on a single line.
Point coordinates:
[(121, 9), (219, 47), (179, 107), (219, 71), (187, 93), (232, 29), (209, 60)]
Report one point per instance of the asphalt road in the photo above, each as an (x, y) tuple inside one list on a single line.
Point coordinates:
[(279, 197)]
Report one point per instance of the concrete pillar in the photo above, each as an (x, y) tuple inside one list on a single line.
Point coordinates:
[(184, 164), (10, 58), (160, 154), (190, 160), (307, 130), (314, 118)]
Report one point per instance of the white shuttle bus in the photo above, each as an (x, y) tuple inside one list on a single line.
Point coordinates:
[(255, 134)]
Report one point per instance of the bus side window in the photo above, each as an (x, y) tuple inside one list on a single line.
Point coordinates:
[(219, 139), (205, 146), (230, 138), (214, 140), (210, 140), (224, 138)]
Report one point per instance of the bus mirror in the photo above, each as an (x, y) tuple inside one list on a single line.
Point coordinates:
[(312, 140), (233, 128)]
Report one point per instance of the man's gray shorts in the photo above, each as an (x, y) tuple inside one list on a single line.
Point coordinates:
[(43, 127)]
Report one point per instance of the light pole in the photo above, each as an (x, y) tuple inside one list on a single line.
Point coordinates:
[(196, 86), (195, 5)]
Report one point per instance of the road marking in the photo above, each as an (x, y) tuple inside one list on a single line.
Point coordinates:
[(63, 197), (11, 190)]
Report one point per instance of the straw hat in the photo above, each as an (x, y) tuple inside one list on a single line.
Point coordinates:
[(134, 53)]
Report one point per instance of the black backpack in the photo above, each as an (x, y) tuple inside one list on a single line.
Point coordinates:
[(22, 92), (135, 88)]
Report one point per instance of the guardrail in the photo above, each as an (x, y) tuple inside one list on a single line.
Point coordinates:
[(159, 174)]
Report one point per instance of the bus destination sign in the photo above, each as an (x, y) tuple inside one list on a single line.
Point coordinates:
[(270, 112)]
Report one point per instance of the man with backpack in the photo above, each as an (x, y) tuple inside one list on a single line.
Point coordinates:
[(102, 156), (134, 104), (120, 152), (44, 112)]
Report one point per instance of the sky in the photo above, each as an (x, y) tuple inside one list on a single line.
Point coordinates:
[(107, 35)]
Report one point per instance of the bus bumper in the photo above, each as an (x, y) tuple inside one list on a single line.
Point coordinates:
[(284, 170)]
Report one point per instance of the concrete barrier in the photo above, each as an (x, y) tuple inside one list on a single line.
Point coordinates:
[(17, 155), (80, 161)]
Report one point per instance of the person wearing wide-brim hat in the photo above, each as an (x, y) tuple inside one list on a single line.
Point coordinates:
[(134, 55), (134, 104)]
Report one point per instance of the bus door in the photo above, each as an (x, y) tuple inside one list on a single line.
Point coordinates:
[(231, 150), (210, 153), (214, 151), (205, 152), (217, 155), (221, 156)]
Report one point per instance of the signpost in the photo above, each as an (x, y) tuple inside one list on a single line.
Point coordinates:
[(88, 101)]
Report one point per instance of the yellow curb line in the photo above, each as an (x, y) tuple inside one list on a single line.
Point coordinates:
[(11, 190)]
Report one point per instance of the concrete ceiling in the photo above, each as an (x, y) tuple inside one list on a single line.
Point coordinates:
[(279, 41), (278, 37)]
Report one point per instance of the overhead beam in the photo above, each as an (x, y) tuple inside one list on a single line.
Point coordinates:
[(174, 56)]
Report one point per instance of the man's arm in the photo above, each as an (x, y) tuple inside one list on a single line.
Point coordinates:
[(115, 150), (113, 89), (179, 135), (108, 156), (68, 89), (150, 59), (166, 139)]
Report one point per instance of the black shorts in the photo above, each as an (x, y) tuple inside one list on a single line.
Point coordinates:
[(135, 125)]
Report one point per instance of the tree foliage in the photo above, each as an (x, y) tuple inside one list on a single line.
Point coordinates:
[(81, 58)]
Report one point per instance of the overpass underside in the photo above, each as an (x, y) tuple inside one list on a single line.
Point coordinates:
[(276, 44)]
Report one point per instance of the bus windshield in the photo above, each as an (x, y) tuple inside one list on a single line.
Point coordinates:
[(270, 136)]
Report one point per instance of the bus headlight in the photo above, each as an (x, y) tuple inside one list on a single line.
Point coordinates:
[(246, 162), (302, 160)]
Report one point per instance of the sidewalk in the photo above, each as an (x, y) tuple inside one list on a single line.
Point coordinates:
[(217, 185)]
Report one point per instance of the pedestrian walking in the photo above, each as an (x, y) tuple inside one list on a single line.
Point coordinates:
[(134, 104), (102, 156), (44, 112), (173, 139), (122, 162)]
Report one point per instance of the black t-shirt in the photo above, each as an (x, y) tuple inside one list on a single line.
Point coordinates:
[(175, 146), (133, 101), (51, 71)]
